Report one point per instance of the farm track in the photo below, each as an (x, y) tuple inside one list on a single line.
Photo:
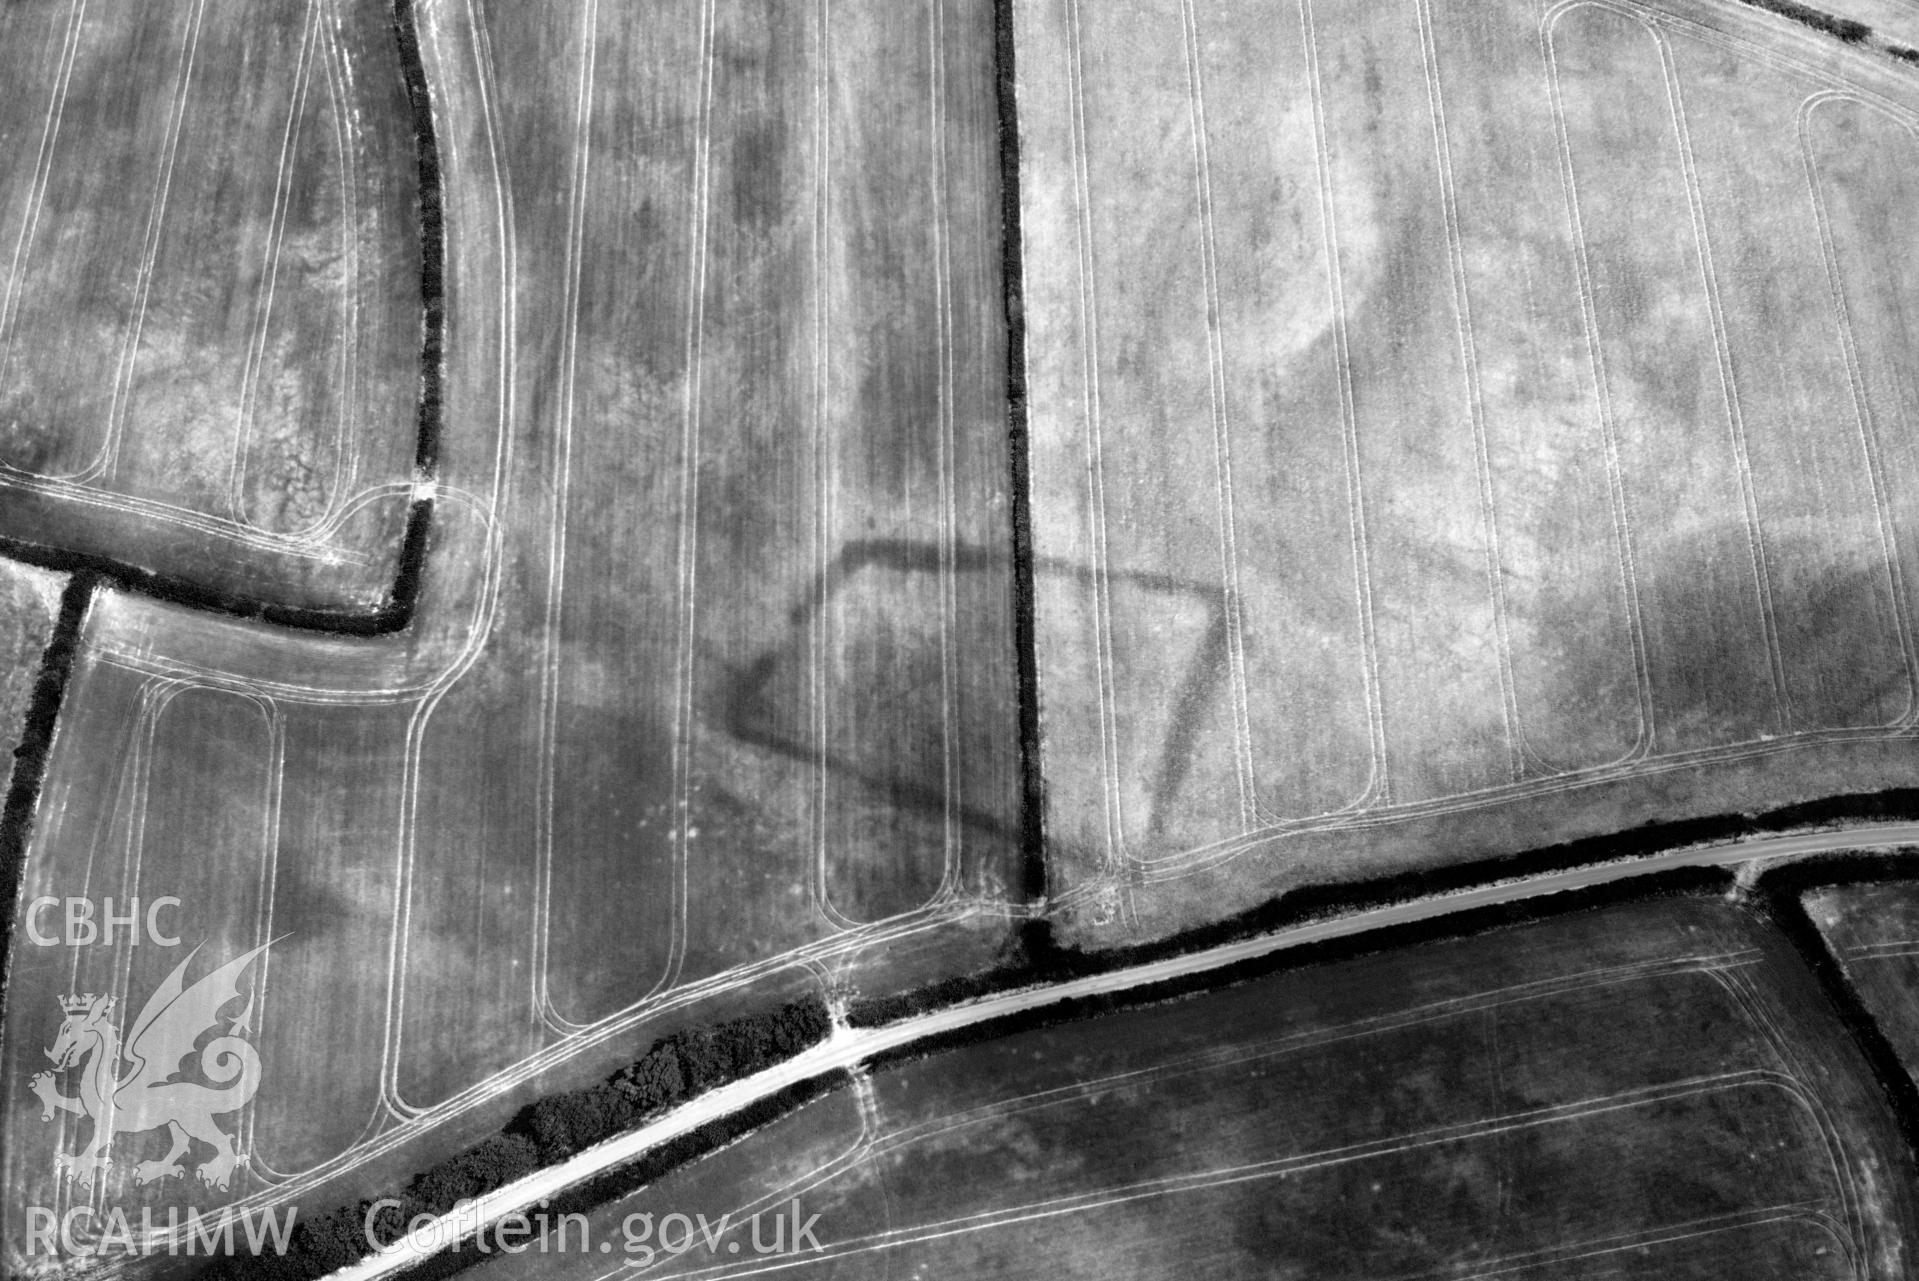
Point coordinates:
[(386, 724), (1350, 729), (394, 611), (851, 1047), (397, 614), (170, 501), (88, 573)]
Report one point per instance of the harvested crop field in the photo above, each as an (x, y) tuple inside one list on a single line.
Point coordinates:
[(1524, 431), (707, 697), (212, 212), (1523, 1102), (1873, 931), (667, 564)]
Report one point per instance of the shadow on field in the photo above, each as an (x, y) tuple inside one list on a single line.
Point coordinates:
[(1720, 666), (756, 712)]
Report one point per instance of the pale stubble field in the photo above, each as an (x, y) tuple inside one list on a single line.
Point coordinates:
[(1522, 389)]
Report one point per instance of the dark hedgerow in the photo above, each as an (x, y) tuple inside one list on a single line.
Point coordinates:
[(493, 1163), (432, 215), (677, 1068), (1314, 902), (1844, 28), (892, 1008), (27, 770)]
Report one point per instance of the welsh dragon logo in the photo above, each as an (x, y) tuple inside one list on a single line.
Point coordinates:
[(147, 1095)]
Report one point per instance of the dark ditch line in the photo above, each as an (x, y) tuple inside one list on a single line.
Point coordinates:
[(1032, 833), (1041, 961), (675, 1070), (30, 760), (1779, 898), (396, 612)]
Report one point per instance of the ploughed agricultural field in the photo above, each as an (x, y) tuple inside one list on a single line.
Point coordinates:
[(1873, 932), (708, 697), (1653, 1089), (1457, 427), (210, 303)]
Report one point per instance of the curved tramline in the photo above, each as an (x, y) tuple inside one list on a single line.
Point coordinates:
[(988, 1019), (1516, 338), (693, 712), (965, 516), (256, 438)]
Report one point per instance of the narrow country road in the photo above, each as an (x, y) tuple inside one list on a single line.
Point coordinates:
[(849, 1047)]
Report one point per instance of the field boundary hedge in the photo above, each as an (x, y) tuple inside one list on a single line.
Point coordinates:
[(676, 1069)]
